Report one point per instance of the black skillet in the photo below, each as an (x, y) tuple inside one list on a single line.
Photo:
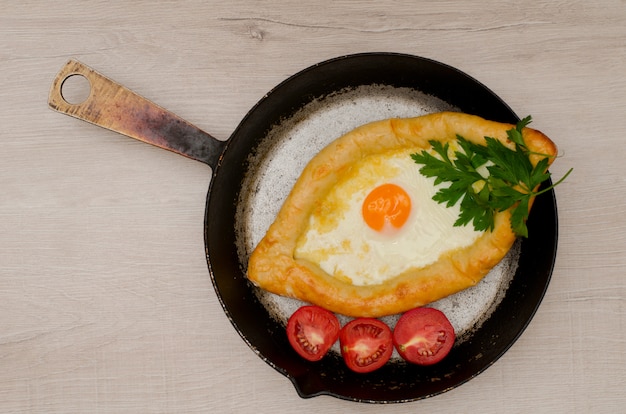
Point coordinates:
[(114, 107)]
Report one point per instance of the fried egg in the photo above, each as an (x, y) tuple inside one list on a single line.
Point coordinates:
[(379, 221)]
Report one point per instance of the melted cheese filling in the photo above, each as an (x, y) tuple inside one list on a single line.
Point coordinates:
[(338, 240)]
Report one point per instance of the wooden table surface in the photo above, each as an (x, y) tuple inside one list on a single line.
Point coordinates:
[(106, 305)]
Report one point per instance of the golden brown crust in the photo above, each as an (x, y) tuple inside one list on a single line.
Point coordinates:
[(272, 265)]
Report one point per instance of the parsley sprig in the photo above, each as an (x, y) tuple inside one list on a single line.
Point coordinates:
[(487, 179)]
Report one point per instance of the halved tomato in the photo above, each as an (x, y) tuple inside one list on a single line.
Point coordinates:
[(366, 344), (311, 331), (423, 336)]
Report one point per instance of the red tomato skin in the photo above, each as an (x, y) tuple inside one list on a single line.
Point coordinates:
[(312, 331), (366, 344), (423, 336)]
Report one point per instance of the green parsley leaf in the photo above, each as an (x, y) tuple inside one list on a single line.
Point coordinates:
[(487, 179)]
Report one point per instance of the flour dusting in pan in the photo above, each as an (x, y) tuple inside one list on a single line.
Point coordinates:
[(276, 164)]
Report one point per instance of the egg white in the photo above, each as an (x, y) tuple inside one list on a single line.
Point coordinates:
[(338, 240)]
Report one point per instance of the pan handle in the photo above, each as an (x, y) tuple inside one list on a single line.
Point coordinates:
[(114, 107)]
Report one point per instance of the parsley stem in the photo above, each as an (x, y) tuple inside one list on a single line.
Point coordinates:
[(555, 184)]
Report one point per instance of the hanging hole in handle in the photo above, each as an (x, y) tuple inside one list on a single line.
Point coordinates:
[(75, 89)]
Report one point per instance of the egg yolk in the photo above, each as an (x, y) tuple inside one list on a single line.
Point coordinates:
[(388, 203)]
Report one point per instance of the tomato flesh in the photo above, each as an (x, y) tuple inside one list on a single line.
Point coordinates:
[(423, 336), (366, 344), (312, 331)]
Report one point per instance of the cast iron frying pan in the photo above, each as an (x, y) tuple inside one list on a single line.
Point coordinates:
[(112, 106)]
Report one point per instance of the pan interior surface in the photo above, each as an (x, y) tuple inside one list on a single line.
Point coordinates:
[(277, 163), (262, 162)]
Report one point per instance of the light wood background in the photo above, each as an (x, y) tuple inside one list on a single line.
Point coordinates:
[(105, 300)]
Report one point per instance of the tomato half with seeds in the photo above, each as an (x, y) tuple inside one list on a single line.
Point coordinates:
[(423, 336), (366, 344), (312, 331)]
